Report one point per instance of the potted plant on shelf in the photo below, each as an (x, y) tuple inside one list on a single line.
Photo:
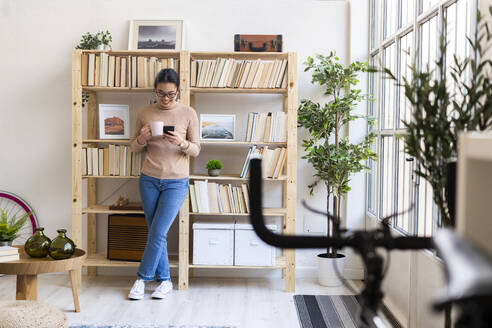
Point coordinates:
[(440, 113), (214, 167), (101, 40), (331, 153), (10, 226)]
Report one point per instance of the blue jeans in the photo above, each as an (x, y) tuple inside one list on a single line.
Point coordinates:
[(161, 201)]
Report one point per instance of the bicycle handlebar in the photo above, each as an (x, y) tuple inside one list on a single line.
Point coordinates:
[(379, 239)]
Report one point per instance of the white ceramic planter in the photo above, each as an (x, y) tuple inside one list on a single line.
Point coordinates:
[(326, 272)]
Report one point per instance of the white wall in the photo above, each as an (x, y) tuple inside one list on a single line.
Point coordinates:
[(35, 122)]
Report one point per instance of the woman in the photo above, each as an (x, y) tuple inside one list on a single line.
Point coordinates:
[(164, 178)]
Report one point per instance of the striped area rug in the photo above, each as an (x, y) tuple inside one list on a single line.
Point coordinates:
[(322, 311)]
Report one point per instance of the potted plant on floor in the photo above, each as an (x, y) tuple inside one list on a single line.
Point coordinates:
[(440, 113), (10, 226), (331, 153)]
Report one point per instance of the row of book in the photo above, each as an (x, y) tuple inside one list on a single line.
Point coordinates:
[(8, 253), (266, 127), (116, 160), (233, 73), (104, 70), (272, 163), (211, 197)]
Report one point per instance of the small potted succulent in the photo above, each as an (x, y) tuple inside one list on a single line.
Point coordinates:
[(214, 167), (10, 226)]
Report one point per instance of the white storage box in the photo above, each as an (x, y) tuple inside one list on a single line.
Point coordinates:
[(249, 249), (213, 242)]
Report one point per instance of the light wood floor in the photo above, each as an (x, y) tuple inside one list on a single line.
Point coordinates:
[(209, 301)]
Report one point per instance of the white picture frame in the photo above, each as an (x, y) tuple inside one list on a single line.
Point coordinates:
[(159, 35), (217, 127), (114, 121)]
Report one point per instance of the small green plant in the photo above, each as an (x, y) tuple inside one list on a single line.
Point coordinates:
[(214, 165), (91, 41), (10, 226)]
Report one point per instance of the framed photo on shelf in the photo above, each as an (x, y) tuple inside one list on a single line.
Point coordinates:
[(155, 34), (217, 127), (114, 121)]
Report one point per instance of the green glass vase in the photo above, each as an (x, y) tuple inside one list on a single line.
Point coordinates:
[(62, 247), (38, 245)]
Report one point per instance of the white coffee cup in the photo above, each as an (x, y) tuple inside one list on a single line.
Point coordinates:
[(156, 128)]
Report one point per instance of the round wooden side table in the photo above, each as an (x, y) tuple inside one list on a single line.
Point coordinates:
[(28, 268)]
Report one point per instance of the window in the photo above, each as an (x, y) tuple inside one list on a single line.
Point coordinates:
[(404, 32)]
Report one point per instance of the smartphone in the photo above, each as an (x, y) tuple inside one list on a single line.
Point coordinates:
[(168, 128)]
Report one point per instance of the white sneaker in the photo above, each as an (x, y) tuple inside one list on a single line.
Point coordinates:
[(137, 291), (163, 289)]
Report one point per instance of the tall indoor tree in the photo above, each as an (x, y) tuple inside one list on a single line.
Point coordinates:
[(330, 152)]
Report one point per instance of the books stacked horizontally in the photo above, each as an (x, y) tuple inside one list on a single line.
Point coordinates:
[(233, 73), (266, 127), (105, 70), (112, 160), (211, 197), (272, 164), (9, 253)]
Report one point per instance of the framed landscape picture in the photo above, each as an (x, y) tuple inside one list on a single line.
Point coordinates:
[(155, 34), (215, 127), (114, 121)]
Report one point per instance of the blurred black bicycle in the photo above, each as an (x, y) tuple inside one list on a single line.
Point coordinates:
[(468, 269)]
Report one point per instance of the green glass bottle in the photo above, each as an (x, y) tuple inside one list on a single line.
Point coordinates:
[(38, 245), (62, 247)]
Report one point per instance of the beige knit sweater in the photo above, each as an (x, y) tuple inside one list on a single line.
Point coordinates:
[(165, 160)]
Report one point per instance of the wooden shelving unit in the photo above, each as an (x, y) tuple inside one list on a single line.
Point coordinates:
[(285, 262)]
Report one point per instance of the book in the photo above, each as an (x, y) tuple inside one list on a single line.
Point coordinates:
[(259, 73), (8, 250), (141, 72), (91, 66), (246, 161), (275, 158), (117, 150), (134, 72), (224, 199), (194, 206), (123, 74), (111, 70), (219, 199), (281, 74), (252, 73), (89, 161), (84, 161), (100, 155), (117, 73), (280, 163), (123, 150), (246, 196), (245, 73), (249, 126), (85, 68), (268, 126), (193, 73), (95, 161), (128, 162), (267, 160), (198, 198), (9, 258), (212, 196), (97, 64)]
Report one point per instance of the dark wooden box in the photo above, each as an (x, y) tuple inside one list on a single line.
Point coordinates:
[(127, 236), (258, 42)]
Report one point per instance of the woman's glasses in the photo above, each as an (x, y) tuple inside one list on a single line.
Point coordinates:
[(168, 95)]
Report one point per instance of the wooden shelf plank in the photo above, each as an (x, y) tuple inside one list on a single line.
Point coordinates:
[(107, 141), (238, 55), (238, 90), (241, 143), (116, 89), (104, 209), (110, 176), (157, 53), (231, 177), (266, 212), (280, 263), (100, 260)]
